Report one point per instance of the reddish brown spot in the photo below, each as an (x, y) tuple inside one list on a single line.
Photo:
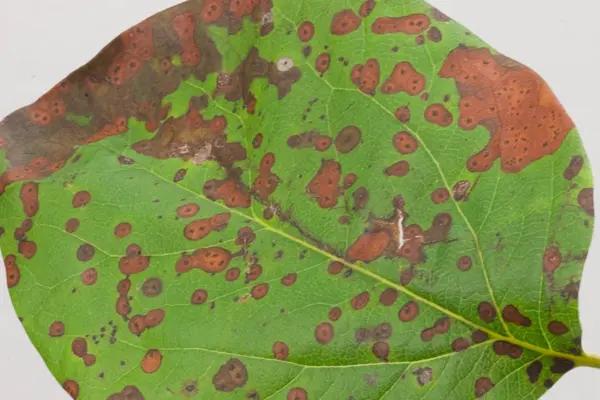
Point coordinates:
[(266, 182), (188, 210), (306, 31), (464, 263), (534, 370), (487, 312), (324, 187), (79, 347), (405, 143), (230, 191), (479, 336), (260, 291), (211, 260), (289, 279), (586, 200), (552, 259), (439, 115), (381, 350), (81, 199), (27, 248), (151, 361), (525, 120), (345, 22), (403, 114), (199, 297), (369, 246), (253, 273), (440, 195), (212, 10), (232, 375), (13, 273), (348, 138), (366, 77), (335, 314), (408, 312), (281, 351), (367, 8), (404, 78), (199, 229), (557, 328), (410, 24), (56, 329), (232, 274), (503, 348), (122, 230), (128, 393), (72, 225), (89, 276), (388, 297), (335, 267), (30, 199), (72, 388), (133, 262), (460, 344), (399, 169), (434, 34), (324, 333), (322, 63), (482, 386), (154, 318), (574, 168), (137, 325), (89, 360), (85, 252), (512, 315), (297, 394), (360, 301)]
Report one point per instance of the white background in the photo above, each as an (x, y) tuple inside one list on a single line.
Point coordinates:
[(41, 41)]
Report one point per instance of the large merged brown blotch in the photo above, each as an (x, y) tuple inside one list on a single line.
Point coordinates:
[(129, 78), (231, 375), (325, 185), (210, 260), (524, 118), (230, 13)]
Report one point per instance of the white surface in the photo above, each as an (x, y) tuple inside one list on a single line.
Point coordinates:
[(41, 41)]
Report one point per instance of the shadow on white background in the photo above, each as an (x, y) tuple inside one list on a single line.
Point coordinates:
[(42, 41)]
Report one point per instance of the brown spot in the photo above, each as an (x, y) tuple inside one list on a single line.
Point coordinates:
[(534, 370), (405, 143), (152, 287), (438, 114), (366, 77), (154, 318), (297, 394), (403, 114), (361, 198), (552, 259), (306, 31), (122, 230), (89, 360), (85, 252), (408, 312), (281, 351), (245, 237), (479, 336), (260, 291), (574, 168), (434, 34), (464, 263), (72, 388), (366, 8), (81, 199), (324, 333), (188, 210), (586, 200), (232, 274), (360, 301), (399, 169), (482, 386), (133, 262), (345, 22), (525, 120), (210, 260), (388, 297), (335, 314), (460, 344), (56, 329), (512, 315), (561, 365), (30, 198), (128, 393), (253, 273), (79, 347), (72, 225), (27, 248), (381, 350), (289, 279), (503, 348), (369, 246), (424, 375), (487, 312), (233, 193), (137, 325), (89, 276), (348, 138), (460, 191), (440, 195), (410, 24), (232, 375), (199, 229), (404, 78), (199, 297), (324, 187), (151, 361), (322, 63), (557, 328)]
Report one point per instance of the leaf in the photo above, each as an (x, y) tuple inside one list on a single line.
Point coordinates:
[(298, 200)]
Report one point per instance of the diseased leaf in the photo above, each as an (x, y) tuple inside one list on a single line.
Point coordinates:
[(298, 200)]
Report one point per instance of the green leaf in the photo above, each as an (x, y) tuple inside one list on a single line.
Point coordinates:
[(298, 200)]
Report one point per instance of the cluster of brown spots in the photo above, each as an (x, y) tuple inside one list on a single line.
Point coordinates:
[(56, 329), (152, 361), (188, 210), (408, 312), (122, 307), (72, 388), (438, 114), (503, 348), (210, 260), (461, 190), (525, 119), (482, 386), (13, 273), (22, 230), (134, 261), (409, 24), (464, 263), (152, 287), (48, 108), (440, 195), (440, 327), (487, 312), (322, 63), (137, 49), (123, 230), (139, 323), (366, 77), (310, 139), (281, 351), (324, 186), (259, 291), (30, 198), (557, 328), (297, 394), (199, 297), (89, 276), (586, 200), (405, 143), (404, 78), (266, 183), (324, 333), (79, 348), (201, 228), (128, 393), (345, 22), (399, 169), (512, 315), (460, 344), (230, 190), (574, 168), (231, 375)]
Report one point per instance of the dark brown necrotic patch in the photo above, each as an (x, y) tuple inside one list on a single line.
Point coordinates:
[(557, 328), (503, 348), (574, 168), (381, 350), (347, 139), (511, 314), (561, 365), (388, 297), (482, 386), (534, 370), (85, 252), (128, 393), (231, 375), (487, 312)]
